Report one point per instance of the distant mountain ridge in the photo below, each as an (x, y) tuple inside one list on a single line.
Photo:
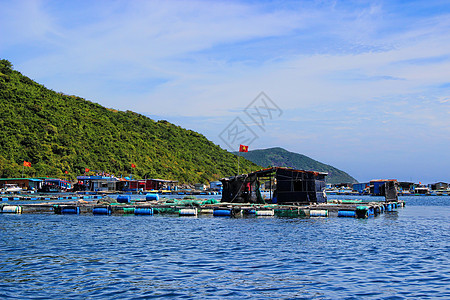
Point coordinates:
[(279, 157)]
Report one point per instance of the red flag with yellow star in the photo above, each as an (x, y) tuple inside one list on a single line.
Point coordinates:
[(243, 148)]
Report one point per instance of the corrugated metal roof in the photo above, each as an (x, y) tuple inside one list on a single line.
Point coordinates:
[(273, 169)]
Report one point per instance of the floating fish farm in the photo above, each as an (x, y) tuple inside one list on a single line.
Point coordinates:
[(123, 205), (293, 194)]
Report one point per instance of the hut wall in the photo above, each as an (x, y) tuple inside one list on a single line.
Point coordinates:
[(299, 187)]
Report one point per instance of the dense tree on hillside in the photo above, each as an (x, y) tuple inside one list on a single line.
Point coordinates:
[(59, 133)]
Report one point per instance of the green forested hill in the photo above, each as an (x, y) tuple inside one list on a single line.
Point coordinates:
[(279, 157), (59, 133)]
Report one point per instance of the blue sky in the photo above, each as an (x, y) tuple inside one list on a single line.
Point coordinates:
[(362, 85)]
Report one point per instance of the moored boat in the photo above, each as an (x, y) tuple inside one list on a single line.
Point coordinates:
[(11, 188)]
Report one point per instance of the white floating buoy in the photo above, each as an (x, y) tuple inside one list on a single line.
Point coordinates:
[(207, 211), (265, 212), (12, 209), (188, 212), (318, 213)]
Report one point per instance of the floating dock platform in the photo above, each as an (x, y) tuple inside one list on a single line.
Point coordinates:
[(195, 208)]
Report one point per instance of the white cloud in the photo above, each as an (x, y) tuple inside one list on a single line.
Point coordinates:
[(201, 58)]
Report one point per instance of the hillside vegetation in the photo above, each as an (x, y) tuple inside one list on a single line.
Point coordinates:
[(59, 133), (279, 157)]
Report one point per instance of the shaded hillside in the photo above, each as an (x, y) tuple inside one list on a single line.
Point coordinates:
[(59, 133), (279, 157)]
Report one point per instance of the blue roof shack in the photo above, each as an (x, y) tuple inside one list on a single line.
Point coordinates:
[(55, 185), (378, 187), (360, 187), (215, 185)]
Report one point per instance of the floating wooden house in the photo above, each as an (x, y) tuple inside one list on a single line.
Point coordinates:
[(99, 183), (384, 187), (215, 185), (421, 190), (151, 184), (361, 187), (24, 183), (439, 186), (378, 187), (405, 186), (286, 186), (55, 185), (199, 186)]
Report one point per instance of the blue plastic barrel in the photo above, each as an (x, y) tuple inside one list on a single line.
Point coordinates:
[(101, 211), (143, 211), (249, 211), (70, 210), (222, 212), (347, 214), (388, 207), (123, 199), (371, 211), (151, 197)]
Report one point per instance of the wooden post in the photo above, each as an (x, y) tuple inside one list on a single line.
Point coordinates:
[(270, 179)]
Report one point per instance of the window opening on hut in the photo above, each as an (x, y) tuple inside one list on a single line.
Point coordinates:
[(298, 186), (289, 186)]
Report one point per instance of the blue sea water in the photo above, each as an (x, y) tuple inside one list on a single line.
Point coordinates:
[(397, 255)]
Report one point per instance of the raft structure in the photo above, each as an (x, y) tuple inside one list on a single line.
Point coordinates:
[(293, 194), (46, 197), (204, 207)]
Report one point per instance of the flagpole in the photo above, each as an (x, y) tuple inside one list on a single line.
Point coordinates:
[(239, 156)]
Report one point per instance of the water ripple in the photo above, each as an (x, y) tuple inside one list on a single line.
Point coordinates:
[(402, 255)]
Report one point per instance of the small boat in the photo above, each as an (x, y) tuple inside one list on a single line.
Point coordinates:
[(11, 188)]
